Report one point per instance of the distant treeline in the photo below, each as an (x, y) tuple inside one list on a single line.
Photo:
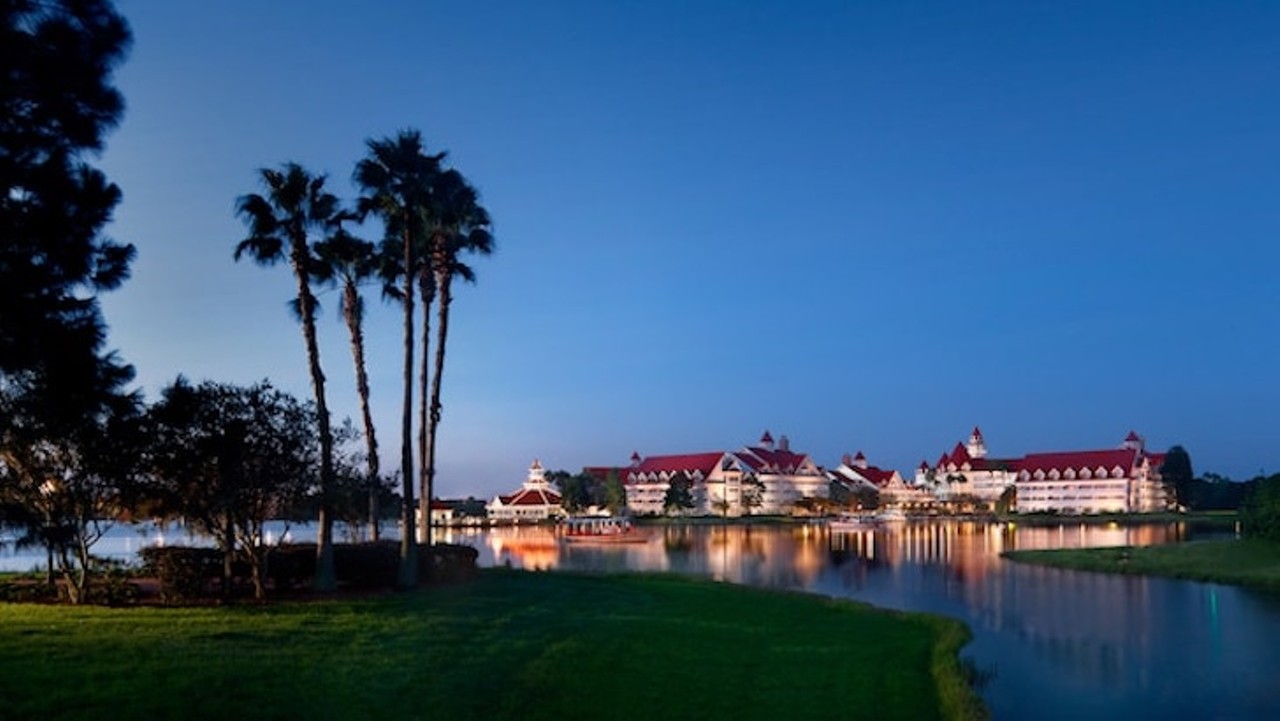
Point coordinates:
[(1212, 492)]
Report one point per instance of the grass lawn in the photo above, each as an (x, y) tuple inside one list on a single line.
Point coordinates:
[(1250, 563), (1219, 518), (506, 645)]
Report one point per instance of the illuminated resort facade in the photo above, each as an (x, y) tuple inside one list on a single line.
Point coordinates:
[(534, 501), (765, 479), (854, 472), (1118, 480)]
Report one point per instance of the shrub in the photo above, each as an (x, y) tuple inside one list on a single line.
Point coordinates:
[(25, 591), (1260, 514), (448, 562), (183, 572), (292, 565), (115, 588), (367, 565)]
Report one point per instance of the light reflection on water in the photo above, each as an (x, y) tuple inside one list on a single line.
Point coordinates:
[(1062, 644)]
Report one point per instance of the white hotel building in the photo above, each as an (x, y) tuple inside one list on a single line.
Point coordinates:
[(1119, 480), (717, 479)]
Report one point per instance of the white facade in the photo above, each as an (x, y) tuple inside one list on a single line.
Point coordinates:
[(755, 480), (534, 502), (1120, 480)]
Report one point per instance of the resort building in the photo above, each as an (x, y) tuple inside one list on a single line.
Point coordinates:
[(1126, 479), (534, 502), (1120, 480), (764, 479), (854, 472), (968, 471)]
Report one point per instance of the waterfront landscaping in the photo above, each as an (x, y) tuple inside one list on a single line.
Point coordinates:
[(1211, 518), (503, 645), (1254, 563)]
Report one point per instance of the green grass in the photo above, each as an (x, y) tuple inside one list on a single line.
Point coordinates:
[(507, 645), (1251, 563), (1222, 518)]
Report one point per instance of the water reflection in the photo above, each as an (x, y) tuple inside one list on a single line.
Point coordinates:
[(1062, 644)]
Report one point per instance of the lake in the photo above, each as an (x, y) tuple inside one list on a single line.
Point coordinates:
[(1058, 644)]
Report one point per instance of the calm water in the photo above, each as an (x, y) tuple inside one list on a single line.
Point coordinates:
[(1061, 644)]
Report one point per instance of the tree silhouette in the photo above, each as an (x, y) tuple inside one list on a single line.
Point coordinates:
[(281, 224), (396, 179), (352, 261)]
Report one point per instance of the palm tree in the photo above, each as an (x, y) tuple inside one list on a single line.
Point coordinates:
[(353, 261), (461, 225), (396, 178), (279, 223)]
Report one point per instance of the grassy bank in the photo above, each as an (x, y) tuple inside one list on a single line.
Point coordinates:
[(1240, 562), (1222, 518), (507, 645)]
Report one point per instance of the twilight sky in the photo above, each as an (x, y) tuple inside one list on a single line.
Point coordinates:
[(867, 226)]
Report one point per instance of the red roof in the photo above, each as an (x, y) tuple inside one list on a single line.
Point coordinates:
[(781, 461), (924, 465), (766, 438), (977, 432), (1133, 436), (960, 455), (531, 497), (1125, 458), (878, 476), (687, 462), (859, 457)]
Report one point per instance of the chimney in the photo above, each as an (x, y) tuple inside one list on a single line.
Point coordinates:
[(784, 444)]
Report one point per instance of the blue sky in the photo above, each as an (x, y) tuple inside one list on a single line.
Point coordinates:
[(867, 226)]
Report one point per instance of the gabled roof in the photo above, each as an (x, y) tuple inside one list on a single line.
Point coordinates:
[(878, 476), (1125, 458), (687, 462), (1133, 436), (531, 497), (778, 461)]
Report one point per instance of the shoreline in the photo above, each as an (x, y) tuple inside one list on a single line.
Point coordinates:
[(517, 632), (1249, 563)]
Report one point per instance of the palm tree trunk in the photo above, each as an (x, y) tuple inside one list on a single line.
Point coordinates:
[(408, 576), (427, 287), (324, 579), (444, 284), (351, 313)]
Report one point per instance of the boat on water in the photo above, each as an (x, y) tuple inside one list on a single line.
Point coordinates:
[(891, 515), (601, 530), (852, 522)]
